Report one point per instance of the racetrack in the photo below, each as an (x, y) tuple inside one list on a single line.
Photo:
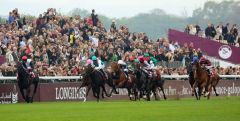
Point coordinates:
[(216, 109)]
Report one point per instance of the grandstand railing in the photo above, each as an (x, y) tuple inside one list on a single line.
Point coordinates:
[(168, 77)]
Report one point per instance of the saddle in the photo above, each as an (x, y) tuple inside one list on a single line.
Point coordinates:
[(102, 74)]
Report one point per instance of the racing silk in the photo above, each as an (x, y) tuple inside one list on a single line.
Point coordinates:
[(98, 64), (29, 64), (148, 65), (123, 65), (205, 62)]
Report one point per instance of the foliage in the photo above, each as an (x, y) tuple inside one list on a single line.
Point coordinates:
[(157, 22), (2, 20)]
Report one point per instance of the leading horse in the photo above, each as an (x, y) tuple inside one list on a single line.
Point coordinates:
[(203, 80)]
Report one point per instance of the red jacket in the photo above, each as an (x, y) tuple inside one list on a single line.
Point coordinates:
[(204, 61)]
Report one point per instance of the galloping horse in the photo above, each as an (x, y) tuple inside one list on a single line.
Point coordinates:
[(148, 85), (215, 78), (95, 80), (202, 80), (120, 79), (27, 84), (159, 82), (191, 80)]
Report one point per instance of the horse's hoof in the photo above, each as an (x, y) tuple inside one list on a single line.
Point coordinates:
[(206, 94), (130, 95), (217, 94), (192, 94), (144, 96)]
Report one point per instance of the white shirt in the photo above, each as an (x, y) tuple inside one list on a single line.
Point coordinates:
[(172, 48), (94, 41)]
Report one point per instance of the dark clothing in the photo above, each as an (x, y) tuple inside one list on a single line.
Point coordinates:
[(210, 32)]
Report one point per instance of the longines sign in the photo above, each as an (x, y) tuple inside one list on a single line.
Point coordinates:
[(73, 92)]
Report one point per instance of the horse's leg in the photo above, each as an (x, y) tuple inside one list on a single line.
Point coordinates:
[(200, 88), (209, 89), (194, 90), (104, 90), (148, 95), (129, 93), (135, 92), (28, 94), (31, 92), (115, 90), (88, 90), (214, 88), (164, 96), (155, 93), (98, 93), (23, 94)]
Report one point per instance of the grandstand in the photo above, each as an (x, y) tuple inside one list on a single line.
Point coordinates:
[(60, 45)]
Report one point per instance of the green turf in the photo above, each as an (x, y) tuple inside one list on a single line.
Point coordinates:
[(216, 109)]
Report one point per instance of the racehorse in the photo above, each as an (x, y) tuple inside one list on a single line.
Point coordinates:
[(27, 83), (215, 78), (191, 80), (94, 79), (120, 80), (159, 82), (145, 84), (203, 80)]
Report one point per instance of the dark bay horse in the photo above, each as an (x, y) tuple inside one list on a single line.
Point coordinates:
[(120, 80), (26, 83), (191, 80), (94, 79), (146, 84)]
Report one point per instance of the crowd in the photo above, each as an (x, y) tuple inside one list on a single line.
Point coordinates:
[(60, 45), (222, 33)]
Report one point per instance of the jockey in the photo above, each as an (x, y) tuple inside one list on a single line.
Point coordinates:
[(97, 64), (28, 65), (153, 61), (135, 61), (89, 62), (147, 64), (195, 59), (205, 63), (147, 61), (123, 66)]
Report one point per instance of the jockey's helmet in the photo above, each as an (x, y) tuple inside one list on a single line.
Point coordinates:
[(195, 59), (89, 61), (136, 60), (131, 58), (141, 60), (24, 58), (146, 55), (94, 58), (121, 62)]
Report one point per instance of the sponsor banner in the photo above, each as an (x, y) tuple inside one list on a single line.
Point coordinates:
[(72, 91), (8, 94), (212, 48)]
